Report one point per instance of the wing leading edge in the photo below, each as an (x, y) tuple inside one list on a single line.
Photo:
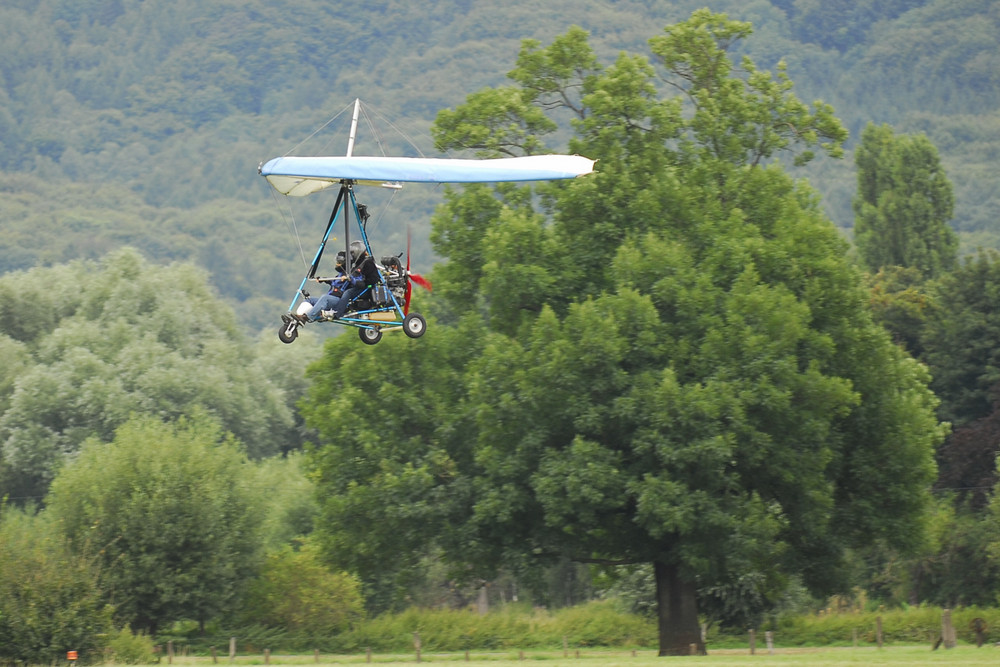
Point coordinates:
[(300, 176)]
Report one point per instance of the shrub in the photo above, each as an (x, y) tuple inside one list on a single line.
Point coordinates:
[(128, 648)]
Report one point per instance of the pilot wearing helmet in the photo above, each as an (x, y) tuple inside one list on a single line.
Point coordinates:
[(364, 274)]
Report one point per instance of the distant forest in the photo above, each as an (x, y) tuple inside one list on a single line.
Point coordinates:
[(141, 123)]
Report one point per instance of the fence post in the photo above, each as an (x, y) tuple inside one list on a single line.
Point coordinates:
[(753, 641), (947, 629), (565, 647), (215, 658), (316, 655), (416, 643), (769, 638), (170, 652), (267, 656), (232, 649), (878, 631), (368, 654)]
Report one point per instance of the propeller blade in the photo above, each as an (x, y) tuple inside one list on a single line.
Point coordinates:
[(420, 280)]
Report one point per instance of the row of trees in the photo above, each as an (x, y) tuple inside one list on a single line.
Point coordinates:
[(941, 311), (168, 521), (86, 345)]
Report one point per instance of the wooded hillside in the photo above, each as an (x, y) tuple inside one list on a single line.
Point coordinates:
[(129, 122)]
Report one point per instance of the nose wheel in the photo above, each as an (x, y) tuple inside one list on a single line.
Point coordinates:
[(289, 330)]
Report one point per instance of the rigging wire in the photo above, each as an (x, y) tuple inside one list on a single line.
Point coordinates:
[(292, 227), (370, 115), (318, 130)]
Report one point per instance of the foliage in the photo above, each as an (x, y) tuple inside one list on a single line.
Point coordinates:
[(595, 624), (912, 625), (169, 513), (958, 571), (900, 302), (962, 340), (291, 502), (141, 124), (104, 341), (296, 591), (49, 596), (712, 397), (966, 461), (904, 204), (400, 396), (130, 648)]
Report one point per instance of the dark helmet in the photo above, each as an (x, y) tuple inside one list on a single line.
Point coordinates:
[(357, 250), (341, 256)]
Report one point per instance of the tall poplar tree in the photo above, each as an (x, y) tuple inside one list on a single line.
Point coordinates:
[(904, 204), (669, 361)]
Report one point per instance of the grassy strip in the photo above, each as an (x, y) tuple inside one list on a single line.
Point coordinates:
[(814, 657)]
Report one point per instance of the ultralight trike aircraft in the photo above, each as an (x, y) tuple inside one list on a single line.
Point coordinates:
[(385, 305)]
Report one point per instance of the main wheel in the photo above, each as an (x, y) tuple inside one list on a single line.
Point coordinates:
[(370, 336), (414, 325), (288, 332)]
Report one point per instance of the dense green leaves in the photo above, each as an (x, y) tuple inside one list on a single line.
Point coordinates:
[(904, 204), (297, 592), (170, 515), (678, 366), (131, 123), (49, 597), (92, 344), (962, 339)]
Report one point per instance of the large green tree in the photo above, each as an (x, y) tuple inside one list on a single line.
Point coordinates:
[(904, 204), (88, 344), (170, 513), (673, 362)]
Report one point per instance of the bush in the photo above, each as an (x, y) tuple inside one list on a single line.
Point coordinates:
[(595, 624), (127, 648), (913, 625), (50, 601)]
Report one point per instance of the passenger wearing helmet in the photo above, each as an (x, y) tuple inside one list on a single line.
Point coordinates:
[(364, 274)]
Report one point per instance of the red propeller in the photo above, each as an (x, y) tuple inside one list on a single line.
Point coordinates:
[(415, 277)]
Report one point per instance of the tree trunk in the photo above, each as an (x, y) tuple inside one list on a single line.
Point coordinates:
[(677, 608)]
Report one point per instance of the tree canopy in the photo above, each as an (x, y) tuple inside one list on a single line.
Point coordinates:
[(668, 362), (142, 124), (169, 513), (89, 344), (904, 204)]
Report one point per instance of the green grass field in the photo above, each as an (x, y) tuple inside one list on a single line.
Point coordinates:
[(810, 657)]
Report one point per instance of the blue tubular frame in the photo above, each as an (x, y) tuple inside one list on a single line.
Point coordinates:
[(347, 194)]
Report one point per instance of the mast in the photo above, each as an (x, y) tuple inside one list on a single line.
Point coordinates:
[(348, 262), (354, 127)]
